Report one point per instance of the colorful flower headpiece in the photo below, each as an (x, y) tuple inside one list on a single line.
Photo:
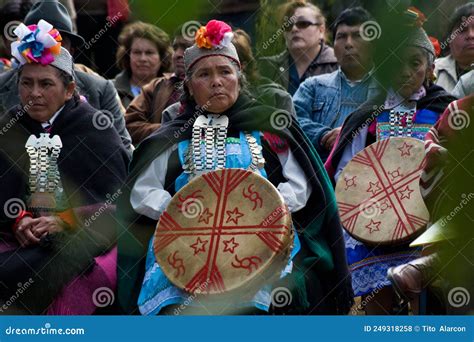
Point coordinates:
[(215, 35), (37, 43), (417, 16)]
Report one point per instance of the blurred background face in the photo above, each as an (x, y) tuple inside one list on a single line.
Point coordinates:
[(214, 84), (350, 49), (42, 91), (310, 33), (179, 45), (412, 72), (144, 59), (462, 46)]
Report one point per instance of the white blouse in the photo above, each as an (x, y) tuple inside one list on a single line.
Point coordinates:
[(149, 198)]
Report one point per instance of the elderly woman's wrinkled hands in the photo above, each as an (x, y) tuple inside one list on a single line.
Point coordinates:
[(23, 232), (47, 224), (29, 230)]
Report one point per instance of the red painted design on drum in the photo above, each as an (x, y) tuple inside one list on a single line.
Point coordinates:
[(253, 196), (177, 264), (247, 263), (350, 182), (405, 193), (188, 201), (234, 215), (374, 188), (373, 226), (385, 205), (388, 190), (395, 173), (405, 149), (199, 246), (230, 245), (217, 229), (205, 216)]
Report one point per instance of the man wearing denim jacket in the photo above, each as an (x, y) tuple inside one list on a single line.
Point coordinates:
[(323, 102)]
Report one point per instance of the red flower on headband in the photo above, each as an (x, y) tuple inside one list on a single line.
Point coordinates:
[(215, 31), (216, 34)]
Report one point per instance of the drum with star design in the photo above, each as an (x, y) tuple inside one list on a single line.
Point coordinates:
[(378, 192), (225, 230)]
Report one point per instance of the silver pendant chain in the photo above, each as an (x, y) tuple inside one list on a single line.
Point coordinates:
[(44, 173), (211, 131)]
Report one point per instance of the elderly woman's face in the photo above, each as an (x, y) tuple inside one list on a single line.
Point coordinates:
[(42, 92), (144, 59), (413, 72), (214, 84), (462, 46)]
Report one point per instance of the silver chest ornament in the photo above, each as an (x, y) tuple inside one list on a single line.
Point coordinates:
[(44, 175), (211, 131)]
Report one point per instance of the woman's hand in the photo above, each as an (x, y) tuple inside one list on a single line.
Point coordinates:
[(329, 138), (23, 232), (46, 224)]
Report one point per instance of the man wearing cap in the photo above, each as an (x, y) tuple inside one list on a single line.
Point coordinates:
[(98, 92)]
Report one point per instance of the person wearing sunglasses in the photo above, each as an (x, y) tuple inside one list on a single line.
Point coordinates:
[(306, 53), (323, 102)]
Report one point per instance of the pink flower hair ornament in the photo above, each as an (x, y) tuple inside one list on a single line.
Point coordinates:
[(215, 35), (37, 43)]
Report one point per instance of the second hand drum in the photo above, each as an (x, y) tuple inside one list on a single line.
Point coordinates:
[(225, 230), (378, 192)]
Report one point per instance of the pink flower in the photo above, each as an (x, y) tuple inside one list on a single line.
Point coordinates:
[(215, 31)]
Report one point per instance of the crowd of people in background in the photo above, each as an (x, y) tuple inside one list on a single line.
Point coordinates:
[(332, 83)]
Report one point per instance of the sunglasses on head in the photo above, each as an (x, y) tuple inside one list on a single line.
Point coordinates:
[(300, 25)]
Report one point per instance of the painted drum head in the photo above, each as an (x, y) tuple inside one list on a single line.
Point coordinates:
[(222, 231), (378, 192)]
